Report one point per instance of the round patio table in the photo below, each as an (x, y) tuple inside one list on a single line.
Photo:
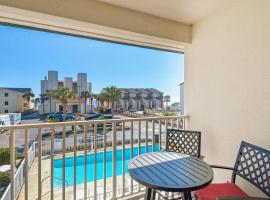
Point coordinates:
[(170, 172)]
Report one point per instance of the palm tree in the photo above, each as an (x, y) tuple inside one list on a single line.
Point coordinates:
[(62, 94), (103, 97), (167, 99), (50, 94), (114, 94), (36, 101), (42, 99), (92, 97), (85, 95), (97, 98), (28, 96)]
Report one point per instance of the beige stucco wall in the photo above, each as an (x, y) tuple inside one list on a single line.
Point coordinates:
[(227, 80)]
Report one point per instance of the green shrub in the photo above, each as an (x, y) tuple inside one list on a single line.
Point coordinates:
[(4, 156), (52, 120), (5, 179)]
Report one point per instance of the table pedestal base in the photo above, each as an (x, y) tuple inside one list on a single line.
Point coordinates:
[(150, 194)]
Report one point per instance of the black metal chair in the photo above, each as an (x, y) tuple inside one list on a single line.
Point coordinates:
[(182, 141), (252, 164)]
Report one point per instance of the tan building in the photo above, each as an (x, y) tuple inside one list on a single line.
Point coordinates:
[(12, 101)]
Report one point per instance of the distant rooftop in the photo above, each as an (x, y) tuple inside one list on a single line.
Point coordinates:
[(21, 90), (140, 90)]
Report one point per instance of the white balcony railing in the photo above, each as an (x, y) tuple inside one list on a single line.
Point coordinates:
[(70, 140)]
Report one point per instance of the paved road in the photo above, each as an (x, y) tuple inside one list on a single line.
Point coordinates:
[(19, 134)]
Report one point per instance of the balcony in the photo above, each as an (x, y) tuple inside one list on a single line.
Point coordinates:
[(101, 149)]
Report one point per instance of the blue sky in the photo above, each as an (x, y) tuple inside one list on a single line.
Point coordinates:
[(26, 56)]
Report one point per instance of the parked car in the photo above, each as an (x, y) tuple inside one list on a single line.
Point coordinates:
[(60, 117), (93, 117)]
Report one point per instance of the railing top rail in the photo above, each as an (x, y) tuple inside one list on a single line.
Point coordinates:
[(71, 123)]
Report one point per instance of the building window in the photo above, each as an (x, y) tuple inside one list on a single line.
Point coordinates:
[(6, 94), (6, 111), (6, 103)]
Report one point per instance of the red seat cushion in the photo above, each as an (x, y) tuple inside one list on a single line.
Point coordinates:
[(215, 190)]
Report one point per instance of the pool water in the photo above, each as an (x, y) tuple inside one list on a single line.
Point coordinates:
[(90, 166)]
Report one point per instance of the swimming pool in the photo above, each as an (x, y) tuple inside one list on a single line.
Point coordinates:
[(90, 166)]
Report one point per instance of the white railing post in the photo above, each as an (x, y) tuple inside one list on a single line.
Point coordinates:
[(95, 161), (146, 136), (104, 160), (131, 151), (64, 163), (52, 162), (75, 163), (26, 163), (12, 163), (85, 160), (153, 135), (160, 132), (123, 157), (114, 160), (39, 162)]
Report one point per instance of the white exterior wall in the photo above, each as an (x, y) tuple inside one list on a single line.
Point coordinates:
[(227, 82), (68, 82), (52, 80)]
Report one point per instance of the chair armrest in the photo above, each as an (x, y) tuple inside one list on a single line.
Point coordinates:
[(221, 167)]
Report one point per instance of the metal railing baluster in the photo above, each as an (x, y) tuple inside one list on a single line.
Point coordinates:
[(146, 136), (52, 163), (104, 161), (85, 160), (64, 163), (114, 159), (26, 165), (95, 161), (39, 162), (131, 152), (75, 163), (123, 157), (12, 163), (139, 139), (153, 135), (139, 144), (160, 136)]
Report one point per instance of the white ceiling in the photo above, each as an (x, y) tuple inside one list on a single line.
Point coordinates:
[(185, 11)]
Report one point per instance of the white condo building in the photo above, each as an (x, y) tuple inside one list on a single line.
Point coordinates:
[(77, 105)]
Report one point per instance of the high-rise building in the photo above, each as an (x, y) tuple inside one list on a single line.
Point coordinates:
[(68, 82), (44, 85), (79, 86), (52, 80), (81, 83)]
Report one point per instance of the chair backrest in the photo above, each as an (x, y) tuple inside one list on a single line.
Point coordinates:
[(183, 141), (253, 165)]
